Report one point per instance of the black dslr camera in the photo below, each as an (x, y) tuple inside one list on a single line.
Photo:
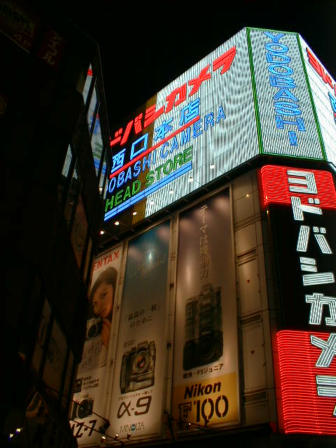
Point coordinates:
[(137, 367), (203, 328), (93, 327), (82, 409)]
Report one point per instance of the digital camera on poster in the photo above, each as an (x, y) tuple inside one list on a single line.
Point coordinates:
[(203, 328), (82, 408), (137, 367), (93, 327)]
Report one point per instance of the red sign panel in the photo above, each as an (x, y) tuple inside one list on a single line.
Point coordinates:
[(307, 394), (280, 183)]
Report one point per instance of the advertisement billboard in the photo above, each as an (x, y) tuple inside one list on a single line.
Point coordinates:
[(140, 364), (301, 207), (88, 412), (199, 127), (205, 382)]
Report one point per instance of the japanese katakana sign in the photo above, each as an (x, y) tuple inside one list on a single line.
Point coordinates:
[(255, 94), (301, 204)]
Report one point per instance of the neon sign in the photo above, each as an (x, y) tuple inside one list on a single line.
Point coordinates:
[(283, 103), (175, 98), (307, 390), (250, 96), (159, 145), (286, 104), (302, 208)]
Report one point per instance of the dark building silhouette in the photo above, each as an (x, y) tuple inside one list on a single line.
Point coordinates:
[(53, 166)]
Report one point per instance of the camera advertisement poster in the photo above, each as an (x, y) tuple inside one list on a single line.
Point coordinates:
[(205, 385), (140, 368), (88, 411)]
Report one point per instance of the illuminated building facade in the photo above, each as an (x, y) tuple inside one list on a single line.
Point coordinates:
[(53, 168), (220, 230)]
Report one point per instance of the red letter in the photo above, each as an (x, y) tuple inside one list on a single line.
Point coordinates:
[(197, 82), (225, 60), (180, 93)]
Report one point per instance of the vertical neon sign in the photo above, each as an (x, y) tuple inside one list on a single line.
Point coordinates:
[(301, 204)]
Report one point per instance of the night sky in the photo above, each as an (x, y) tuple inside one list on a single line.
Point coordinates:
[(146, 45)]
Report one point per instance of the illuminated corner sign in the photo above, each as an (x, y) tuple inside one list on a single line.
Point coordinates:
[(165, 173), (301, 204), (279, 184), (306, 374)]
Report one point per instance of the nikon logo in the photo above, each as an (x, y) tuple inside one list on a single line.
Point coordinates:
[(201, 389)]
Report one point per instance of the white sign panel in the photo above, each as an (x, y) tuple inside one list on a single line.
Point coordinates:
[(286, 117), (324, 95), (139, 375), (200, 126)]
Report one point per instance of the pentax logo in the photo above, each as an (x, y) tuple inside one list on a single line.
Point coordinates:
[(109, 258)]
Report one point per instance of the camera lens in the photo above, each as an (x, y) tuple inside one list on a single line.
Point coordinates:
[(85, 408), (210, 347), (95, 329), (140, 361)]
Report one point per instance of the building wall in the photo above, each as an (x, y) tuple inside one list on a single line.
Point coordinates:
[(257, 407), (50, 218)]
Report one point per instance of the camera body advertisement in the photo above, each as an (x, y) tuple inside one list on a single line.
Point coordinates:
[(87, 419), (206, 383), (140, 366)]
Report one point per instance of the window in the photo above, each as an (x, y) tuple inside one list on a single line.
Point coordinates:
[(68, 375), (97, 144), (79, 231), (87, 85), (55, 360), (65, 175), (72, 196), (87, 260), (92, 111), (41, 337)]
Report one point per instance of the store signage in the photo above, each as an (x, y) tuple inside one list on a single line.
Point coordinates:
[(323, 90), (185, 136), (301, 204), (287, 110), (250, 96), (170, 137), (284, 107), (306, 382)]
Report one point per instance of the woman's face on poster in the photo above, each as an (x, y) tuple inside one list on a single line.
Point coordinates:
[(102, 300)]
